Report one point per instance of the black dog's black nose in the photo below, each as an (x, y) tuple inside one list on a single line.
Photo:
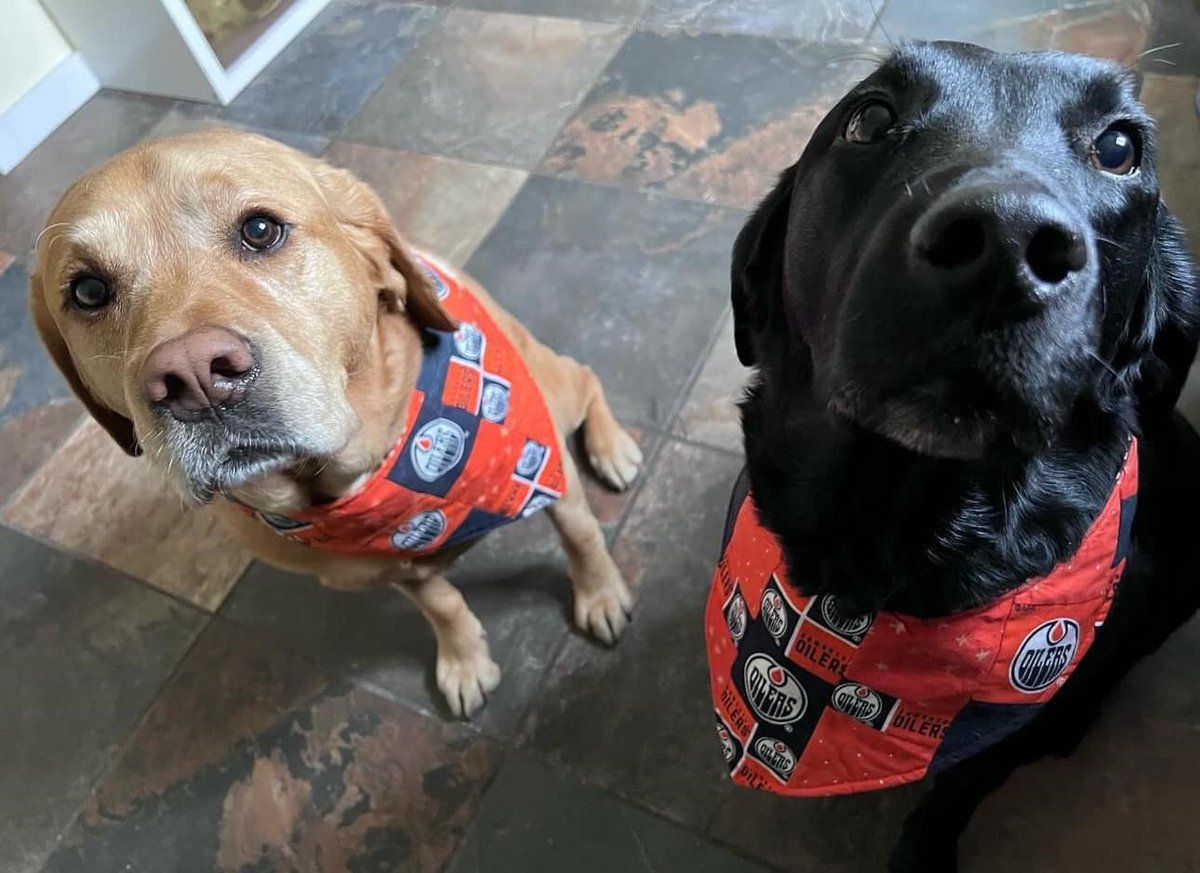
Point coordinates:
[(996, 239)]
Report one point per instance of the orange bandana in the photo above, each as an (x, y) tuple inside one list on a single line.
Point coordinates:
[(814, 701), (478, 449)]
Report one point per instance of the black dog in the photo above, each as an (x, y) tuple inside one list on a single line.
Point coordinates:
[(961, 301)]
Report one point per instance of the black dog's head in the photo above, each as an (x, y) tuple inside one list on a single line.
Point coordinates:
[(970, 244)]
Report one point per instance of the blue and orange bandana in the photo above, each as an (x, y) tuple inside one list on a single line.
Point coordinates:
[(478, 450), (812, 700)]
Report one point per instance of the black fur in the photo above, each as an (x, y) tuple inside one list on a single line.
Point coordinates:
[(929, 500)]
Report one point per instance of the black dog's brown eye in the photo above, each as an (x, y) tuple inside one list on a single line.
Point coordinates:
[(261, 233), (1115, 151), (88, 292), (869, 122)]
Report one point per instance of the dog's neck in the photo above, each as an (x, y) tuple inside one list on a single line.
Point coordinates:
[(883, 527), (379, 392)]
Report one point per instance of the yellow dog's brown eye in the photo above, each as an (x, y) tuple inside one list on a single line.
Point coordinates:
[(261, 233), (1115, 151), (869, 123), (89, 292)]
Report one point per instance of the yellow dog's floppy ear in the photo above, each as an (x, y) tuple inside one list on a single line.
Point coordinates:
[(402, 284), (118, 426)]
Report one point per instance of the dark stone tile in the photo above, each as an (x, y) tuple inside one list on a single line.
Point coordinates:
[(632, 285), (325, 76), (83, 650), (105, 125), (30, 439), (639, 721), (710, 414), (515, 581), (238, 766), (28, 378), (1176, 23), (949, 19), (1171, 100), (442, 205), (535, 821), (588, 10), (487, 87), (853, 834), (1123, 801), (187, 119), (809, 20), (713, 117)]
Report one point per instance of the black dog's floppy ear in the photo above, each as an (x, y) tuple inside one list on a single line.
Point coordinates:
[(757, 270), (1161, 340)]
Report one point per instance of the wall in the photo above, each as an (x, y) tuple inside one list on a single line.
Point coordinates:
[(30, 47)]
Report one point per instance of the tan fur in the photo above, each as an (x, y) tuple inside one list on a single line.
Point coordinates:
[(336, 314)]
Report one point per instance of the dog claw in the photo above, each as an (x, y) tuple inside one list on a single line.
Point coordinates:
[(619, 465), (466, 681)]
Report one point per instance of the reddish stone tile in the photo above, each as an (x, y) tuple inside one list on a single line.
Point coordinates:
[(91, 497), (239, 767), (442, 205), (5, 260), (713, 117), (30, 439)]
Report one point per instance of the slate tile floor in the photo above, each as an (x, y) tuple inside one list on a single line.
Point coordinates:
[(170, 705)]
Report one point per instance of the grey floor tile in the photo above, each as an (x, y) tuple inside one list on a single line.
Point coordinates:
[(487, 87), (639, 722), (633, 285), (1121, 801), (712, 117), (319, 81), (251, 761), (1176, 24), (105, 125), (710, 415), (28, 378), (840, 21), (536, 821), (190, 119), (83, 651), (587, 10), (852, 834), (439, 204)]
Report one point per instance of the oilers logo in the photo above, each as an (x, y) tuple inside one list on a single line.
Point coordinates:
[(494, 406), (773, 614), (776, 756), (774, 694), (1044, 655), (735, 617), (531, 459), (437, 448), (468, 341), (846, 624), (419, 532), (857, 701), (439, 286), (536, 503), (731, 747), (728, 749)]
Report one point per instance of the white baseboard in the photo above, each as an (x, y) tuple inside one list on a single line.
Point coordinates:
[(43, 108)]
